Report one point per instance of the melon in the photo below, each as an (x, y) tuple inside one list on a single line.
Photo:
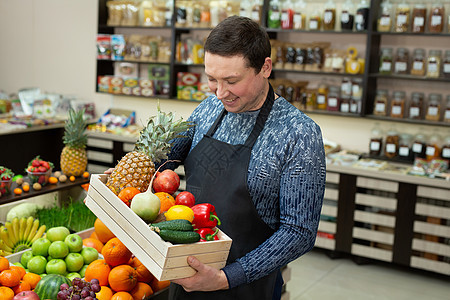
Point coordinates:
[(49, 286)]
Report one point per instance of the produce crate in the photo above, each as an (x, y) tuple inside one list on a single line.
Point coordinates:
[(165, 260)]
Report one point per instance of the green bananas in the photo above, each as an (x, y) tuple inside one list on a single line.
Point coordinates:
[(19, 234)]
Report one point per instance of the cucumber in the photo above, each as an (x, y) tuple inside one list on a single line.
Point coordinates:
[(177, 225), (179, 237)]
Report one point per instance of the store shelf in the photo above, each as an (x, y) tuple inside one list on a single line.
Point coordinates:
[(410, 77), (409, 121), (425, 34), (319, 73), (349, 32)]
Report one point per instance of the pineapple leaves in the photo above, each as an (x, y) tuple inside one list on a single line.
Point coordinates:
[(74, 130)]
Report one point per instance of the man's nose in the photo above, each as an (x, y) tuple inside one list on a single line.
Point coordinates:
[(221, 91)]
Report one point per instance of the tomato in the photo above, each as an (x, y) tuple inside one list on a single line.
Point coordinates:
[(166, 181), (185, 198)]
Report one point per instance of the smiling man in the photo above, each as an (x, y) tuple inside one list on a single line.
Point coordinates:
[(258, 160)]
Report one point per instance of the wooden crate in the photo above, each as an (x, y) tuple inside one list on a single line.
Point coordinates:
[(165, 260)]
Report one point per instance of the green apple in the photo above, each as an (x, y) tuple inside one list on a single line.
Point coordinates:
[(56, 266), (26, 256), (57, 233), (58, 249), (40, 246), (89, 254), (74, 241), (74, 262), (37, 264), (73, 275), (83, 270), (18, 264)]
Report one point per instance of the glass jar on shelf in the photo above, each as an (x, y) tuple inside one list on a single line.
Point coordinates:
[(362, 16), (245, 9), (419, 144), (257, 11), (274, 15), (398, 104), (445, 151), (447, 110), (434, 63), (346, 87), (329, 16), (344, 104), (347, 15), (333, 101), (416, 106), (376, 140), (322, 95), (404, 146), (384, 22), (402, 16), (418, 62), (299, 15), (314, 20), (391, 144), (287, 15), (401, 61), (386, 61), (381, 103), (433, 148), (437, 18), (418, 18), (446, 64), (433, 111)]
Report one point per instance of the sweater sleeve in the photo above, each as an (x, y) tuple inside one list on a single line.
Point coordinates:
[(301, 190)]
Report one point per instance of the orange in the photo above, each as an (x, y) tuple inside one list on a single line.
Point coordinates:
[(127, 194), (6, 293), (103, 233), (159, 285), (53, 180), (105, 293), (122, 278), (141, 291), (21, 287), (94, 235), (122, 296), (143, 274), (21, 270), (94, 243), (32, 279), (17, 191), (98, 269), (167, 201), (4, 263), (72, 178), (85, 174), (9, 278), (26, 187), (115, 252)]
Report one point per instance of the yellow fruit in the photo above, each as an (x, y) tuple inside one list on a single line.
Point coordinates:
[(37, 186), (180, 212), (72, 178)]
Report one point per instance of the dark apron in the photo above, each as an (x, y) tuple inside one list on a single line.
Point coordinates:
[(216, 173)]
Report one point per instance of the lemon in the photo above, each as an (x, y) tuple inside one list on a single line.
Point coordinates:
[(178, 212)]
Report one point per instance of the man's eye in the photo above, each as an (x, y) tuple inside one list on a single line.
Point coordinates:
[(211, 79), (231, 82)]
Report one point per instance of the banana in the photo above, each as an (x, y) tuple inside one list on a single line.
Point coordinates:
[(11, 236), (22, 224), (33, 230), (15, 226), (28, 228), (4, 247), (5, 237), (39, 233)]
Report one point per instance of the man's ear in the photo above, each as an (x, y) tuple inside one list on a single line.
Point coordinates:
[(267, 67)]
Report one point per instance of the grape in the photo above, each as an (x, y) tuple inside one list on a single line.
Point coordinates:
[(77, 281), (64, 286), (89, 298), (95, 287), (92, 294), (76, 297), (61, 295), (84, 293), (94, 281)]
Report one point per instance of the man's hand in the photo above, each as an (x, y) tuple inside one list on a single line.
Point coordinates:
[(109, 171), (206, 279)]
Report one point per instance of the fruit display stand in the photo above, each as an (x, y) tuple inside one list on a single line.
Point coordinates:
[(164, 260)]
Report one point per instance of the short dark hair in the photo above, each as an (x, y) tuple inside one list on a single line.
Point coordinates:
[(240, 36)]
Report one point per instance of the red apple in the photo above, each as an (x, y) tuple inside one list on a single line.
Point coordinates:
[(166, 181), (26, 295), (185, 198)]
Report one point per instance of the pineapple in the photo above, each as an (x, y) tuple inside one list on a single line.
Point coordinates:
[(136, 168), (73, 156)]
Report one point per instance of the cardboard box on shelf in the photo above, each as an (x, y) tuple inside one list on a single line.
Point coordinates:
[(164, 260)]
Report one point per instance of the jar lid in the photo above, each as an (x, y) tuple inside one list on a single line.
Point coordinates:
[(436, 52), (381, 92), (447, 53), (419, 51), (402, 51), (417, 96), (435, 97), (386, 51), (399, 94)]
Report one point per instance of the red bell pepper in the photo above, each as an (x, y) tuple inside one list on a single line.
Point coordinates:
[(207, 234), (205, 216)]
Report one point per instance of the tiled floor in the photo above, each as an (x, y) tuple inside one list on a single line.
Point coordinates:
[(315, 276)]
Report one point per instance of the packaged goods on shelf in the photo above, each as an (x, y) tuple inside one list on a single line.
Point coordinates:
[(117, 118), (189, 87), (189, 51), (204, 14), (103, 46), (123, 13)]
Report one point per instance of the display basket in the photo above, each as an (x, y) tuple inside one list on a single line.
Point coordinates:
[(164, 260)]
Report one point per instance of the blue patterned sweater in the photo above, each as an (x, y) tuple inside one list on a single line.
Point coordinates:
[(286, 179)]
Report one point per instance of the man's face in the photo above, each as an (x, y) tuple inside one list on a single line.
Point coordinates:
[(238, 87)]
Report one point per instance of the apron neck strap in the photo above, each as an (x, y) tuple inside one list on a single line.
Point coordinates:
[(260, 120)]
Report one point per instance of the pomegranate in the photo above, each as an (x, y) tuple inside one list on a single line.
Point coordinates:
[(26, 295), (185, 198), (166, 181)]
